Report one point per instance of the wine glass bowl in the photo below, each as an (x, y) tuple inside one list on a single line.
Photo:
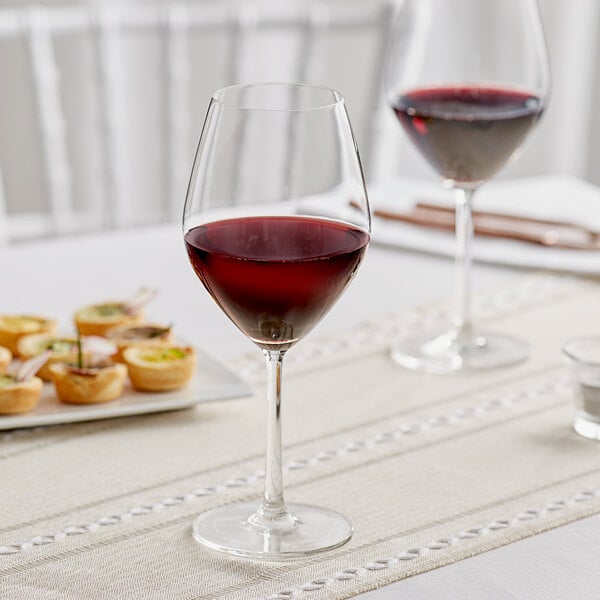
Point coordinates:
[(277, 287), (467, 80), (452, 127), (271, 234)]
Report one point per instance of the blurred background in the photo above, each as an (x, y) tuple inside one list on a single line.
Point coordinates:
[(103, 103)]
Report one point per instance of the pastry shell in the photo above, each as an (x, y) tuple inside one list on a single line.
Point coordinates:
[(89, 385), (5, 358), (21, 396), (88, 324), (159, 375), (10, 335)]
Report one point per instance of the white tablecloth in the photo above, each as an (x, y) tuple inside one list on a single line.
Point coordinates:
[(53, 277)]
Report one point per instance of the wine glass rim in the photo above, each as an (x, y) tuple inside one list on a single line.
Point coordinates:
[(218, 96)]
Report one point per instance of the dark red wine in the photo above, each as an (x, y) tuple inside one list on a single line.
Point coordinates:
[(467, 133), (275, 277)]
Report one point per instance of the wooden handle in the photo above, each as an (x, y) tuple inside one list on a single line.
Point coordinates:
[(488, 225)]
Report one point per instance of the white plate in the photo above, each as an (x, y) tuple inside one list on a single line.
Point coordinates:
[(212, 381)]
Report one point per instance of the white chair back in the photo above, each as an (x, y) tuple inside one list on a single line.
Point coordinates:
[(110, 177)]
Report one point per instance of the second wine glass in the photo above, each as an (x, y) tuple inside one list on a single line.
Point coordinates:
[(468, 80)]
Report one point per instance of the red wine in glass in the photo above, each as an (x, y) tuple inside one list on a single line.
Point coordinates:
[(467, 133), (275, 277)]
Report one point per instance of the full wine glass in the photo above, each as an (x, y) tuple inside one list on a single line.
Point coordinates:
[(468, 80), (276, 223)]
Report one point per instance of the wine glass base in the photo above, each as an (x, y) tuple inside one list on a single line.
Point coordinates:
[(446, 352), (227, 529)]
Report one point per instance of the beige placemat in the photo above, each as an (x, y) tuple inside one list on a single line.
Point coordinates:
[(429, 469)]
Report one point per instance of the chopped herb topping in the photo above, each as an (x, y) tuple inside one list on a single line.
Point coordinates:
[(108, 310), (59, 346), (163, 354), (6, 380)]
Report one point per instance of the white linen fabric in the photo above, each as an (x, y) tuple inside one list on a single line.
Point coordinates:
[(429, 469), (559, 198)]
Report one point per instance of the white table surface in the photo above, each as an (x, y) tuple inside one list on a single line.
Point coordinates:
[(54, 277)]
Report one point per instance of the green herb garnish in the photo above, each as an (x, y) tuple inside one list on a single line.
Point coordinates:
[(163, 354), (6, 380), (109, 310)]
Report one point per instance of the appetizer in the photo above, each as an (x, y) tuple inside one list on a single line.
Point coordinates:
[(5, 358), (62, 349), (88, 381), (136, 335), (20, 392), (19, 396), (99, 381), (159, 367), (97, 319), (13, 328)]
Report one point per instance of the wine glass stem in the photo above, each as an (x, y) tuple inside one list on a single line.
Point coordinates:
[(273, 494), (273, 513), (462, 266)]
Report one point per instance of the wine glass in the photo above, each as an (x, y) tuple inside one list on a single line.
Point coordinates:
[(468, 80), (276, 223)]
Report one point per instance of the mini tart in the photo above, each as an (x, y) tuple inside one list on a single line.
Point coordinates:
[(89, 385), (97, 319), (14, 327), (159, 367), (5, 358), (19, 396), (136, 335), (64, 350)]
